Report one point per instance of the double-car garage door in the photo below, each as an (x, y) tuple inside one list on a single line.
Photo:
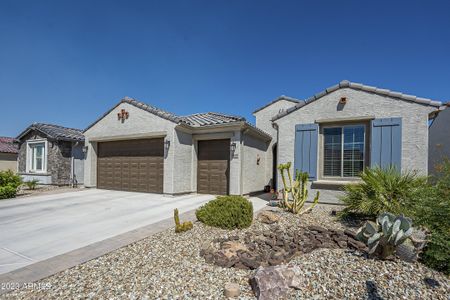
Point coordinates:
[(138, 166), (131, 165)]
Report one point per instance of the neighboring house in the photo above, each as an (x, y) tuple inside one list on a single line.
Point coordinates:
[(338, 132), (138, 147), (439, 141), (8, 154), (51, 154)]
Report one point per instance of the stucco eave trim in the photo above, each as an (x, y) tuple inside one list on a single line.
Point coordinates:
[(110, 138), (364, 88), (348, 119)]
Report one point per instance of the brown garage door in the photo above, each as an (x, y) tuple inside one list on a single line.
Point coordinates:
[(132, 165), (213, 169)]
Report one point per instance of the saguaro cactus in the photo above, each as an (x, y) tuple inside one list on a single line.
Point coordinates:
[(295, 192)]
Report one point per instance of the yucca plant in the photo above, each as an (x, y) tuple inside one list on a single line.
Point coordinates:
[(381, 190)]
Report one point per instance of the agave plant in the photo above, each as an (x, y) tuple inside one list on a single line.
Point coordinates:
[(388, 235)]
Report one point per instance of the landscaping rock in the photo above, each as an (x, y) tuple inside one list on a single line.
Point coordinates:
[(230, 248), (268, 217), (167, 265), (231, 290), (274, 282), (275, 246)]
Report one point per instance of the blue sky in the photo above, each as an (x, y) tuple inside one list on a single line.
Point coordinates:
[(67, 62)]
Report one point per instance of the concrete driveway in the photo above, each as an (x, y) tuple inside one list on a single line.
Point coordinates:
[(39, 227)]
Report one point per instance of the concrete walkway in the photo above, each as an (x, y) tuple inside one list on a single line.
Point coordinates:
[(48, 234)]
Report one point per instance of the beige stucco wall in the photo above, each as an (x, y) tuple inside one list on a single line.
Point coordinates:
[(180, 162), (263, 120), (140, 124), (363, 104), (253, 173), (8, 161)]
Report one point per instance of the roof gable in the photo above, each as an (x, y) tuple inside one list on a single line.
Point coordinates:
[(55, 132), (281, 98), (360, 87), (198, 120)]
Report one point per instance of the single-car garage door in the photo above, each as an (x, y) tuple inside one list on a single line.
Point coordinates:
[(213, 169), (132, 165)]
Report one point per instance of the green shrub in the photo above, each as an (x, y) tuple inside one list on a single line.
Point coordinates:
[(9, 182), (382, 190), (31, 185), (432, 210), (227, 212), (7, 191)]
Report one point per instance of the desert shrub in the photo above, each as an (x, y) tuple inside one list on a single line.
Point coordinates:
[(432, 210), (31, 185), (382, 190), (227, 212), (7, 191), (9, 182)]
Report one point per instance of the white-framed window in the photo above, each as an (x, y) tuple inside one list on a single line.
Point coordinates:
[(37, 156), (344, 150)]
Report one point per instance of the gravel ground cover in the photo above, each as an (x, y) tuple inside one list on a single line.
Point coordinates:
[(168, 266)]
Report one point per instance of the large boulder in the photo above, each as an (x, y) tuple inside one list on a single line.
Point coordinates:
[(268, 217), (274, 282)]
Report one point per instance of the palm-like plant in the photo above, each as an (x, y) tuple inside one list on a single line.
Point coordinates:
[(382, 189)]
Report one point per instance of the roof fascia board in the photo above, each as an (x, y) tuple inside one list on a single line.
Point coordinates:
[(363, 88)]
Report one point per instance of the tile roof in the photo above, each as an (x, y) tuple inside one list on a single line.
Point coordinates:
[(154, 110), (361, 87), (195, 120), (56, 132), (210, 118), (8, 145), (282, 97)]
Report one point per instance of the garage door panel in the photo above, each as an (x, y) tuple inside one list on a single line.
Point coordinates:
[(213, 167), (135, 165)]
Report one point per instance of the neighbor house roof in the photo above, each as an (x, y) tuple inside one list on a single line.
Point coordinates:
[(198, 120), (361, 87), (55, 132), (282, 97), (8, 145)]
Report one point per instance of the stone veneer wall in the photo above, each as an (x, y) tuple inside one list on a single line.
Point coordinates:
[(58, 158)]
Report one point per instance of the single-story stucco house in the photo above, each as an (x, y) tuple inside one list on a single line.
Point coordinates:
[(338, 132), (333, 136), (439, 142), (51, 154), (138, 147), (8, 154)]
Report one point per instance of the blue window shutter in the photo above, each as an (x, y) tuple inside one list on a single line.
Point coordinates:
[(386, 143), (305, 152)]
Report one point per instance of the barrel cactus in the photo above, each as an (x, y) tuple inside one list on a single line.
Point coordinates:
[(390, 235)]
